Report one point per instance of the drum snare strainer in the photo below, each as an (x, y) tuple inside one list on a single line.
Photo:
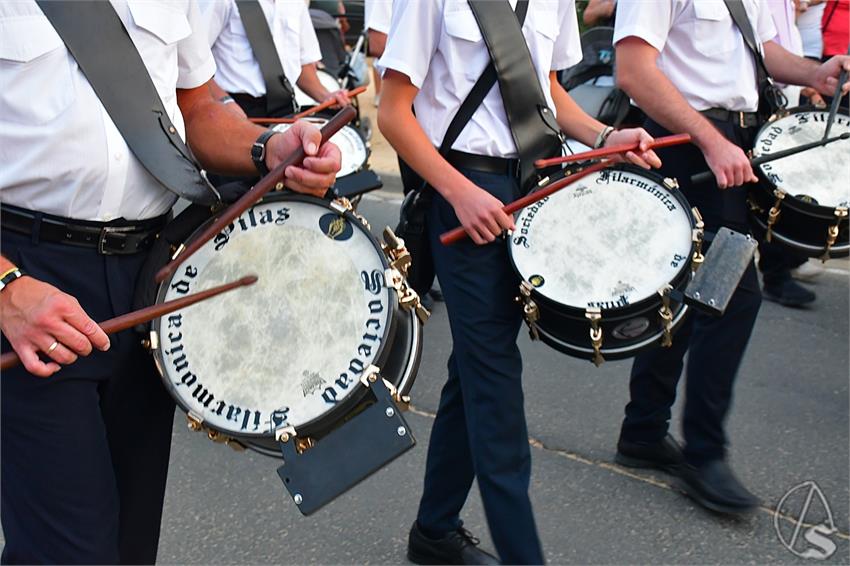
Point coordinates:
[(599, 259)]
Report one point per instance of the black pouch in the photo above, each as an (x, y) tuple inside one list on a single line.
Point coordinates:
[(413, 228)]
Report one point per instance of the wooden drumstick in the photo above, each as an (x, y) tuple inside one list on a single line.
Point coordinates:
[(274, 180), (452, 236), (310, 111), (131, 319), (658, 143)]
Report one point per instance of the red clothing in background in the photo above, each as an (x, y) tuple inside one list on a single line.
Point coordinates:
[(836, 27)]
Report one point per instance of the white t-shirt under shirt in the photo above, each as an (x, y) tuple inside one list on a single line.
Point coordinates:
[(701, 49), (438, 45)]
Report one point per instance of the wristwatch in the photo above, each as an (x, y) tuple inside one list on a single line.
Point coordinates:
[(258, 151), (9, 276), (603, 136)]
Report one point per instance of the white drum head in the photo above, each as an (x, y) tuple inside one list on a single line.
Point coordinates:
[(328, 81), (607, 241), (351, 145), (290, 348), (819, 173)]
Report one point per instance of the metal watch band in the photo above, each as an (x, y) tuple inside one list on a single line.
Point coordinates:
[(603, 137), (9, 276), (258, 152)]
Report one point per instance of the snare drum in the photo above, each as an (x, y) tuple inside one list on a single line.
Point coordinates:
[(290, 354), (351, 143), (600, 259), (330, 82), (802, 200)]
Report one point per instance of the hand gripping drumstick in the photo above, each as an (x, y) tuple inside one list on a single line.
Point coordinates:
[(459, 233), (274, 180), (129, 320), (755, 162), (309, 112), (658, 143)]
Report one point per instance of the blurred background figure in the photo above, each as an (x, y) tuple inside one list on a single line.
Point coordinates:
[(599, 13), (379, 15)]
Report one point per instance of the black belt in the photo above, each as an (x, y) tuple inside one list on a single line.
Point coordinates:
[(742, 119), (485, 163), (120, 237)]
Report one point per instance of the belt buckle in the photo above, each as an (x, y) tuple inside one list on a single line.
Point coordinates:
[(742, 120), (107, 231)]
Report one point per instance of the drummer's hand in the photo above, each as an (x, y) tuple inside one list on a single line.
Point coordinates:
[(481, 214), (35, 314), (825, 78), (319, 169), (814, 97), (728, 162), (340, 98), (644, 157)]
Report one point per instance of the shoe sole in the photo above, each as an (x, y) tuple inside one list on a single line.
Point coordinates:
[(787, 303), (630, 462), (713, 505), (421, 559)]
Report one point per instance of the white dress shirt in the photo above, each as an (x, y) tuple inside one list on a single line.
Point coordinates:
[(378, 15), (438, 45), (292, 34), (701, 50), (60, 152)]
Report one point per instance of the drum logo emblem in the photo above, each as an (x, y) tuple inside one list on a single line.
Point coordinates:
[(536, 281), (311, 383), (335, 227), (582, 191), (622, 288)]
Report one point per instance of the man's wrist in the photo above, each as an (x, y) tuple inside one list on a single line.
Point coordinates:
[(9, 276), (259, 151)]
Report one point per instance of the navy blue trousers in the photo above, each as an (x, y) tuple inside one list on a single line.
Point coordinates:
[(480, 430), (715, 345), (84, 453)]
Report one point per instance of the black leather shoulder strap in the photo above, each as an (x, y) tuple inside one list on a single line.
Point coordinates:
[(280, 96), (104, 51), (742, 21), (532, 124)]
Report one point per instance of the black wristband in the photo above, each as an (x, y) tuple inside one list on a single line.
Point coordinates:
[(258, 152), (9, 276)]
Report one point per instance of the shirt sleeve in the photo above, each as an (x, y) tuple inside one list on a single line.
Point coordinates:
[(765, 28), (214, 16), (379, 15), (310, 52), (567, 50), (650, 20), (413, 38), (195, 61)]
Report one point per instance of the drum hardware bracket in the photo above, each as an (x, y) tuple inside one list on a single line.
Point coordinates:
[(343, 205), (151, 343), (196, 424), (697, 236), (284, 433), (594, 315), (530, 310), (347, 455), (671, 183), (178, 251), (841, 213), (773, 214), (666, 315)]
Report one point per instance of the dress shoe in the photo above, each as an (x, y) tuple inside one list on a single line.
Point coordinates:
[(457, 547), (664, 455), (436, 294), (715, 487), (789, 293)]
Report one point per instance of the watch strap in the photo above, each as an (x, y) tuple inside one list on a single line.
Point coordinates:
[(9, 276), (258, 152)]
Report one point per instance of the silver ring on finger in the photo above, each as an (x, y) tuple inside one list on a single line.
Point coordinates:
[(52, 347)]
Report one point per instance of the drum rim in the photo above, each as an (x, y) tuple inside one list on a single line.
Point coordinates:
[(339, 410), (767, 186), (679, 280), (324, 118)]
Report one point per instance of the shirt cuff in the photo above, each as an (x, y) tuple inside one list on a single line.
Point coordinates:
[(197, 76), (653, 39), (403, 67)]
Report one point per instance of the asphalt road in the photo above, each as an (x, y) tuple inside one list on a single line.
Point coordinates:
[(789, 425)]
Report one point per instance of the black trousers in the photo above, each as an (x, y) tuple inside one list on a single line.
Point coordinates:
[(84, 453), (776, 262), (480, 429), (715, 346)]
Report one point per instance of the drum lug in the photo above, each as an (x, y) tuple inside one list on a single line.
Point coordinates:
[(670, 183), (832, 232), (195, 423), (343, 205), (284, 433), (178, 251), (773, 214), (530, 310), (697, 235), (666, 315), (397, 253), (151, 343), (370, 375), (594, 315)]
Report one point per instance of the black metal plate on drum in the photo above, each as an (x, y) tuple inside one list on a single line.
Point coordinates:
[(348, 455), (358, 183), (726, 260)]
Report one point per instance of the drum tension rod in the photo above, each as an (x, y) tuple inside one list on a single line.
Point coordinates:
[(666, 315), (196, 424), (595, 317), (530, 310), (841, 213), (697, 235), (773, 215)]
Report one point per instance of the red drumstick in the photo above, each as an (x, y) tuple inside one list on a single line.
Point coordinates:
[(459, 233), (131, 319), (310, 111), (273, 180), (666, 141)]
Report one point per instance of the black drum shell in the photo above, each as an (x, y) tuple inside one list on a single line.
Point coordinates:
[(802, 225)]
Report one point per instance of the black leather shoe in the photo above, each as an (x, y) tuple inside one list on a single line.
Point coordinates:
[(459, 547), (436, 294), (715, 487), (665, 455), (789, 294)]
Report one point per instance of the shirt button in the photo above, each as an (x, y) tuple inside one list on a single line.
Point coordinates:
[(117, 157)]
